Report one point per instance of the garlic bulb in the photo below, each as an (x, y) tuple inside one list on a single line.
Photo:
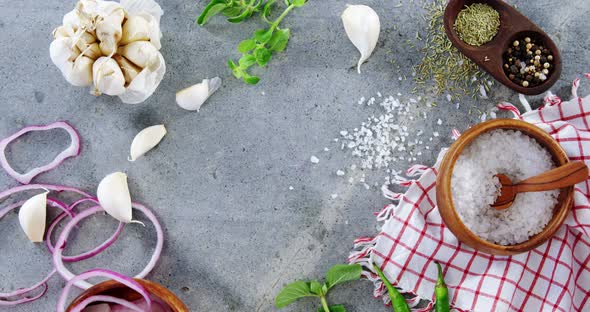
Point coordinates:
[(108, 77), (362, 27), (130, 70), (95, 29), (141, 53), (32, 217), (193, 97), (113, 196), (145, 140)]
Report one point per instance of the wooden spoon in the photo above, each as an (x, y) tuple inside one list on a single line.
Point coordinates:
[(560, 177), (513, 26)]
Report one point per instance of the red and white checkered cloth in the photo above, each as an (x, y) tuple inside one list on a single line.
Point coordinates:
[(552, 277)]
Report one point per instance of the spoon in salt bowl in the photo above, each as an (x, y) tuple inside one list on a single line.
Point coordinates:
[(560, 177)]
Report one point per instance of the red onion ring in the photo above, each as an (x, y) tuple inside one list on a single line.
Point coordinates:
[(71, 151), (61, 242), (50, 187), (4, 302), (127, 281)]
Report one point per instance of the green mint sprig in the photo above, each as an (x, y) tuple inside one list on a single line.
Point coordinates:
[(338, 274), (236, 11)]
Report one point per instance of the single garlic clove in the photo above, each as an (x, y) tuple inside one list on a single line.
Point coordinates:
[(193, 97), (109, 32), (84, 40), (362, 27), (140, 53), (130, 71), (32, 217), (136, 28), (113, 196), (92, 51), (81, 73), (145, 140), (108, 77), (63, 31)]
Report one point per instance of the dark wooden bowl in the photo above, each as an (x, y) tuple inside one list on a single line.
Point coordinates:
[(489, 56), (116, 289), (444, 195)]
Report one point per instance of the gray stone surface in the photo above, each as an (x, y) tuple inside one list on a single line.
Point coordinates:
[(220, 180)]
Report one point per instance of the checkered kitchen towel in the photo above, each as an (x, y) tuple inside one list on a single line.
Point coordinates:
[(553, 277)]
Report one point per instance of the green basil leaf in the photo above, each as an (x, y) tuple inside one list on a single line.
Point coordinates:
[(232, 11), (298, 3), (278, 41), (262, 55), (252, 80), (263, 35), (247, 60), (213, 8), (315, 287), (238, 19), (342, 273), (247, 45), (334, 308), (293, 291)]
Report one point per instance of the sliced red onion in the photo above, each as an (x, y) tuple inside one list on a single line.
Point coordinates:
[(25, 291), (71, 151), (129, 306), (61, 243), (50, 187), (127, 281)]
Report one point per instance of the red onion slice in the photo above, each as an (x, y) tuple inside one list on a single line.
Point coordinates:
[(50, 187), (6, 302), (61, 244), (71, 151), (127, 281)]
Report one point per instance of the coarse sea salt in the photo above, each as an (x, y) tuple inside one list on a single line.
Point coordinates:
[(474, 186)]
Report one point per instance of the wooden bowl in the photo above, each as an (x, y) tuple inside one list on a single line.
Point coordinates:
[(444, 195), (489, 56), (116, 289)]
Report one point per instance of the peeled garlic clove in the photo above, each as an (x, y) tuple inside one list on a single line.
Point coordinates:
[(193, 97), (130, 71), (362, 27), (113, 196), (140, 53), (136, 28), (32, 217), (108, 77), (145, 140), (109, 32), (81, 74)]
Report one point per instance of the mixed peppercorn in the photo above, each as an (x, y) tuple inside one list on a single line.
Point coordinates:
[(528, 63)]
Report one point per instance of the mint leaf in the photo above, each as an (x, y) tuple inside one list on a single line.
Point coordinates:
[(298, 3), (262, 55), (316, 288), (252, 80), (247, 45), (278, 41), (334, 308), (263, 35), (213, 8), (247, 60), (293, 291), (342, 273), (232, 11)]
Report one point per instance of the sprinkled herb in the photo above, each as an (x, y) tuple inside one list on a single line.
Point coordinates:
[(442, 63), (477, 24)]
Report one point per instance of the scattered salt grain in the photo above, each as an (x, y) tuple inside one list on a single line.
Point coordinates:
[(334, 196), (314, 160), (449, 98), (439, 122), (291, 187), (435, 133), (326, 149), (361, 101), (339, 173), (482, 91), (475, 187), (379, 94), (343, 133)]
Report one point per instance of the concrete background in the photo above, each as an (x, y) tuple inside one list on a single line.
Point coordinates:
[(220, 180)]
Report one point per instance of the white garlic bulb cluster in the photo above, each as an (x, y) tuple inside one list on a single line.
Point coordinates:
[(112, 47)]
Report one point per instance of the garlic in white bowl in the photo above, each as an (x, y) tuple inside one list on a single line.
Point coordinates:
[(111, 46)]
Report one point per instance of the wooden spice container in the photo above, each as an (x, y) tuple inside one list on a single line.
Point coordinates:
[(513, 26)]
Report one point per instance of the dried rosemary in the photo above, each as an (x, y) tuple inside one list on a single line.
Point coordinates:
[(477, 24)]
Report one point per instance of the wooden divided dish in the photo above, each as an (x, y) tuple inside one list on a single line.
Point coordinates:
[(116, 289), (513, 26), (444, 196)]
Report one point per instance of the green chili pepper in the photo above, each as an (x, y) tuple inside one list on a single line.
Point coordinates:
[(398, 302), (441, 292)]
